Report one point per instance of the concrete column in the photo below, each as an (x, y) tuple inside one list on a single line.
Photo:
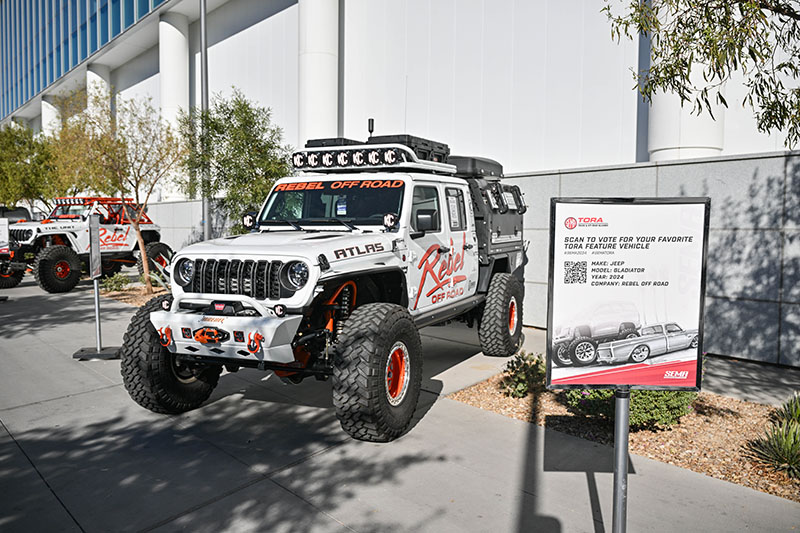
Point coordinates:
[(98, 87), (675, 133), (318, 69), (51, 116), (173, 65)]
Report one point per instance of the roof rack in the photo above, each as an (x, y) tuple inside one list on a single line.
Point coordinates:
[(88, 200)]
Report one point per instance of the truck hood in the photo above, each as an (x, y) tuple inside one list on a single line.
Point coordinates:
[(335, 245)]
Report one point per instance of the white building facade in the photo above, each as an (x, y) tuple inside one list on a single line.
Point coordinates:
[(538, 85)]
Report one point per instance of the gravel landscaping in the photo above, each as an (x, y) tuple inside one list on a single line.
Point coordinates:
[(710, 440)]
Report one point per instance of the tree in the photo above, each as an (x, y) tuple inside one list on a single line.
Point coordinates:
[(243, 153), (135, 149), (758, 38), (74, 172), (25, 166)]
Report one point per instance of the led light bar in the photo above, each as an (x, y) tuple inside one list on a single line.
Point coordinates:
[(363, 157)]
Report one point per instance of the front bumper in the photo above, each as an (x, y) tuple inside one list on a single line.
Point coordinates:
[(252, 338)]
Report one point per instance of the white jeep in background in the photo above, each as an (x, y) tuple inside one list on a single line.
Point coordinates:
[(343, 265), (56, 249)]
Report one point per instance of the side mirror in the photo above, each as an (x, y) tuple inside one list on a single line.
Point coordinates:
[(249, 220), (423, 222)]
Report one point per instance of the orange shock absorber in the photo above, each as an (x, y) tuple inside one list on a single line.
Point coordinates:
[(165, 336), (329, 314)]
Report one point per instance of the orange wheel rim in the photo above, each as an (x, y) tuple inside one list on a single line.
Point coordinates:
[(161, 261), (62, 269), (397, 369), (512, 316)]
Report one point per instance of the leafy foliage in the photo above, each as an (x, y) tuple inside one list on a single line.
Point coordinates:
[(134, 148), (790, 410), (522, 374), (237, 145), (779, 447), (115, 283), (647, 408), (26, 170), (696, 46)]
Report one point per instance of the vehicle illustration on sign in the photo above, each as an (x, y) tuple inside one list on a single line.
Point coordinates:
[(344, 263), (56, 249), (577, 341), (654, 339)]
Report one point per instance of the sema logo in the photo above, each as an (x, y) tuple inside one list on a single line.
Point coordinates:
[(572, 223), (676, 374)]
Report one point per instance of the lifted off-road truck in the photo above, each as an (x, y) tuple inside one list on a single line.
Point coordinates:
[(344, 264), (56, 249)]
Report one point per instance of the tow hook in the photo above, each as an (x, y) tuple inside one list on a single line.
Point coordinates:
[(165, 336), (254, 342)]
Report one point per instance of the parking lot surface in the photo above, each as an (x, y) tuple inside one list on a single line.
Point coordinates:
[(76, 454)]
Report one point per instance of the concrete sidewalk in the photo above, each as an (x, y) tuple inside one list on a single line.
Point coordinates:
[(77, 454)]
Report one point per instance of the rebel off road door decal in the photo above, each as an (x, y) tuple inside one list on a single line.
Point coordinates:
[(627, 279)]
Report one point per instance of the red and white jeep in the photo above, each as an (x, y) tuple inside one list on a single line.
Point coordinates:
[(56, 249), (344, 263)]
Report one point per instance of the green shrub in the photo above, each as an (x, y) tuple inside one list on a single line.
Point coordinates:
[(522, 374), (115, 283), (790, 410), (779, 448), (647, 408)]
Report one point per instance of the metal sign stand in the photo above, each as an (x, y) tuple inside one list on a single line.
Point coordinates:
[(96, 270), (622, 399)]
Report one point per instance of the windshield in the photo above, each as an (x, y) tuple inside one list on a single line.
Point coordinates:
[(357, 202), (69, 211)]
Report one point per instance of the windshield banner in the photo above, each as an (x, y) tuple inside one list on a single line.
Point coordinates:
[(627, 279)]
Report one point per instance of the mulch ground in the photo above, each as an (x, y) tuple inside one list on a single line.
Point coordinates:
[(135, 296), (710, 440)]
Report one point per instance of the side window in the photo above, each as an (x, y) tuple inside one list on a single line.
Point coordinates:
[(673, 328), (426, 201), (456, 210)]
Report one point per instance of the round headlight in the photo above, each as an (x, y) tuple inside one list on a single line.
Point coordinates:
[(184, 272), (296, 274)]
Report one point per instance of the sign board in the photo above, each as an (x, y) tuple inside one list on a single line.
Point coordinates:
[(627, 279), (4, 246), (95, 262)]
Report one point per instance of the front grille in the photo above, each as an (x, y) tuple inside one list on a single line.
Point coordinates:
[(257, 279), (21, 235)]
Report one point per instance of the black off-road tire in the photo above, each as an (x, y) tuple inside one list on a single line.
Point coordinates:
[(11, 279), (561, 354), (363, 398), (157, 252), (57, 269), (500, 330), (150, 373), (110, 268), (579, 351)]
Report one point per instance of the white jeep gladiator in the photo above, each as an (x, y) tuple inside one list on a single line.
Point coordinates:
[(344, 263), (56, 249)]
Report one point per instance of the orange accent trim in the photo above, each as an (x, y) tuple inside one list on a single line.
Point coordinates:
[(301, 357), (254, 342), (332, 300), (165, 337), (395, 373), (206, 336)]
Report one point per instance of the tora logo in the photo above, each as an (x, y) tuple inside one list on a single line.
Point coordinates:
[(570, 223), (675, 374)]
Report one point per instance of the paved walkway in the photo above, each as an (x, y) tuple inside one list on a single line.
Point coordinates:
[(76, 454)]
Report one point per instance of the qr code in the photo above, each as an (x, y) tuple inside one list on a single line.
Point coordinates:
[(574, 271)]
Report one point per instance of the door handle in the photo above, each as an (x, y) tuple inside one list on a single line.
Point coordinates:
[(468, 247), (443, 249)]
